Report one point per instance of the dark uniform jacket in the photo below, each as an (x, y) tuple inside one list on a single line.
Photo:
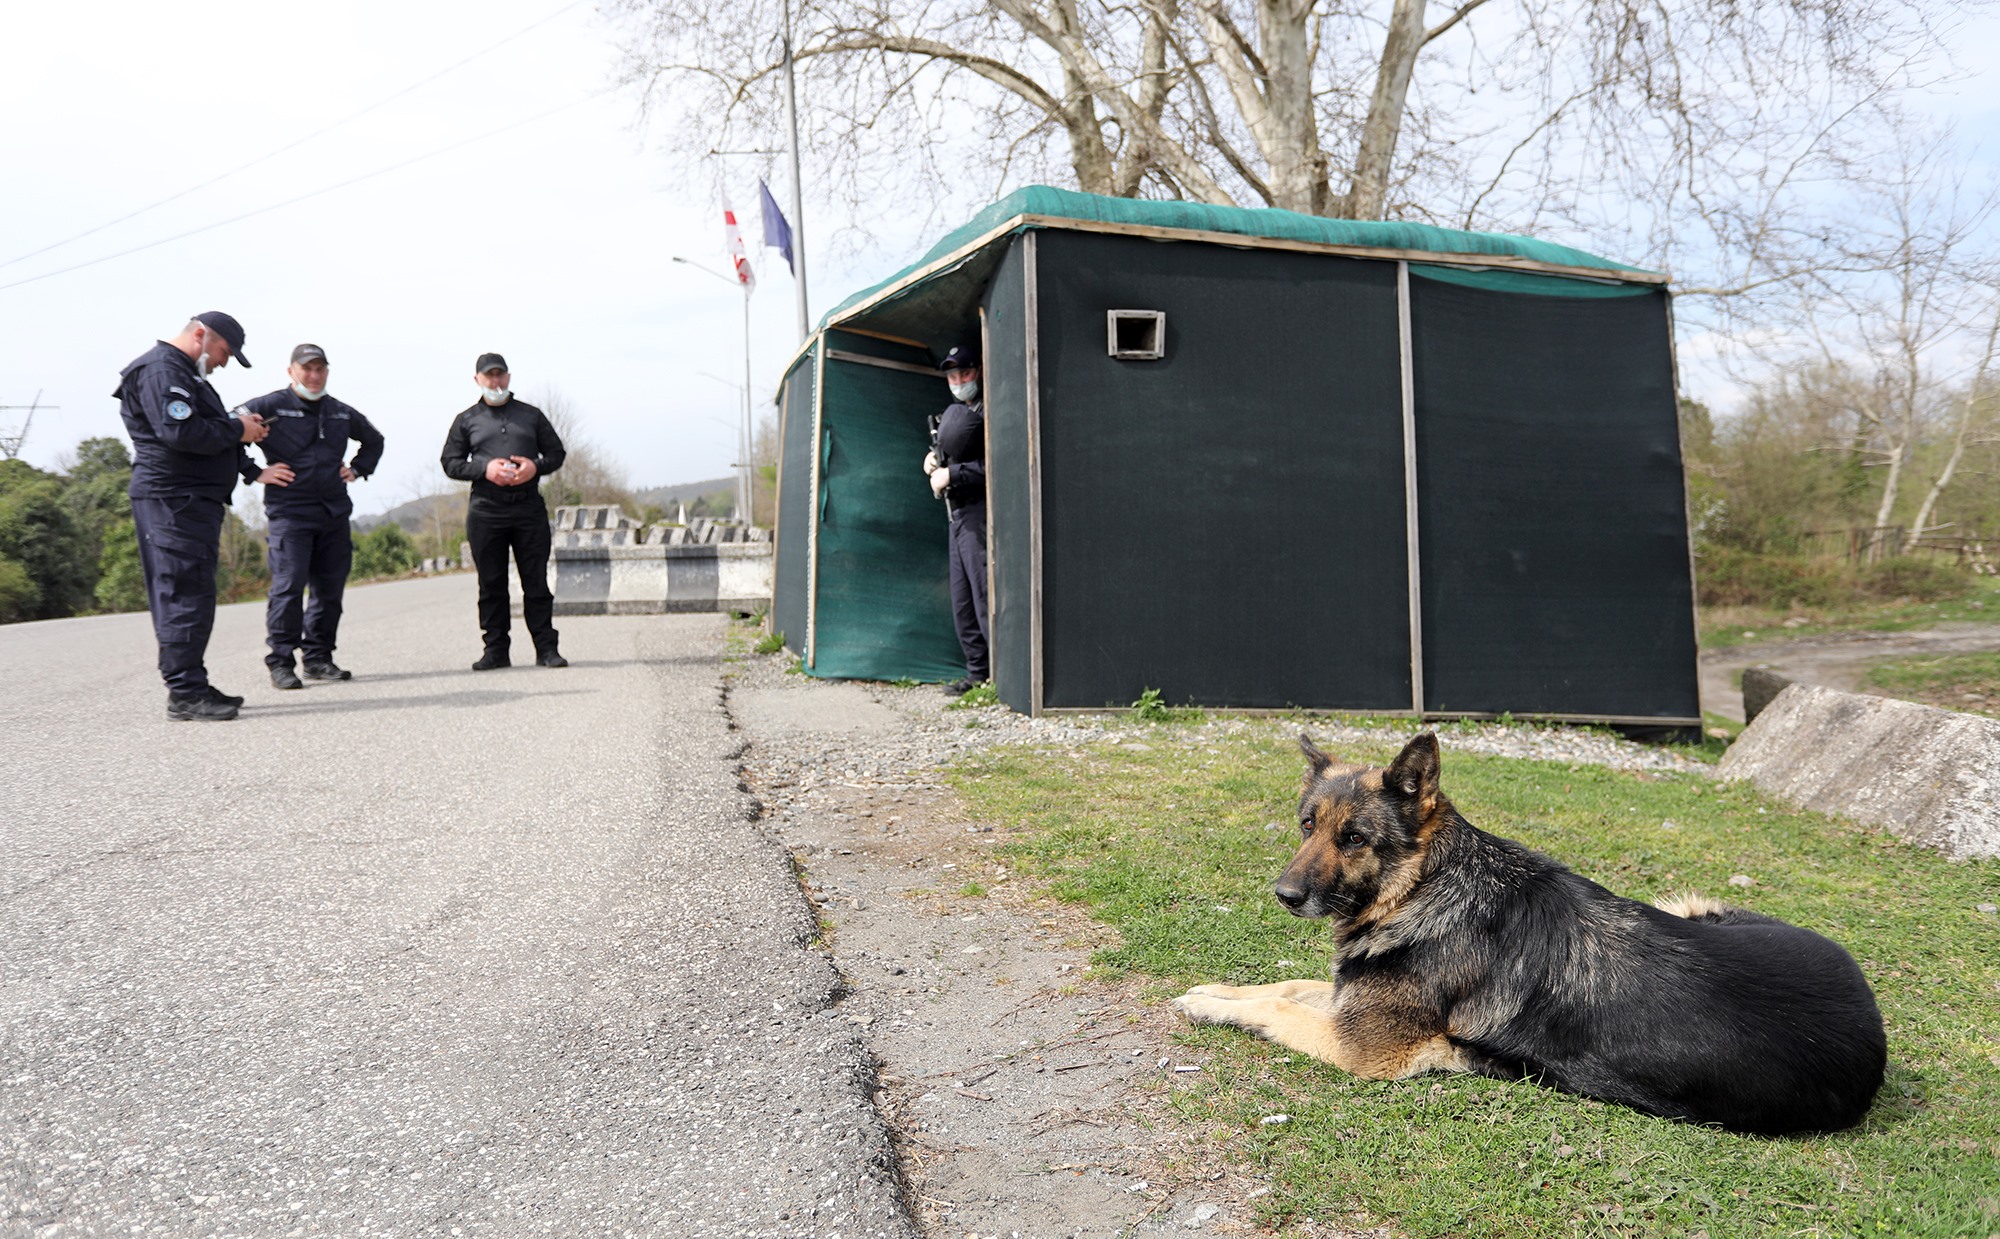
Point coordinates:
[(962, 449), (484, 433), (311, 436), (184, 442)]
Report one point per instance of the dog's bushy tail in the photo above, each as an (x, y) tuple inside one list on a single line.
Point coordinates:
[(1698, 907)]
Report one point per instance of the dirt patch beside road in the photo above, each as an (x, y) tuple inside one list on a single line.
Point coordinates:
[(1028, 1097), (1832, 660)]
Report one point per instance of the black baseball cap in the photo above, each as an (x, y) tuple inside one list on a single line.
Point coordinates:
[(229, 329), (489, 361), (961, 356), (308, 352)]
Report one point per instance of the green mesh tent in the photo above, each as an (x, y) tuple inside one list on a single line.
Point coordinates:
[(1258, 460)]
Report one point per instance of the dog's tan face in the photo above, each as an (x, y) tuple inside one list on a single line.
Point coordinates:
[(1364, 831)]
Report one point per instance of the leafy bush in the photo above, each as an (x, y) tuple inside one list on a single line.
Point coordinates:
[(1921, 580), (1738, 578), (770, 643), (387, 551), (19, 595), (121, 578)]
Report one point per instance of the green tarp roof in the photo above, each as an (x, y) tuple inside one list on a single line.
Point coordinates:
[(1240, 221)]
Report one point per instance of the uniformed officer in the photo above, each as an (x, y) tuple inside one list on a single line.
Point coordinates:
[(956, 465), (305, 481), (187, 452), (503, 446)]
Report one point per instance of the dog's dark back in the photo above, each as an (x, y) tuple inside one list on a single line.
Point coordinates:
[(1730, 1018)]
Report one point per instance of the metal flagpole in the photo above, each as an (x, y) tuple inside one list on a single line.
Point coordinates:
[(798, 197), (744, 484)]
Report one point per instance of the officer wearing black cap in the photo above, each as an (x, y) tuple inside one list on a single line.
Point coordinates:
[(503, 446), (305, 481), (187, 452), (956, 465)]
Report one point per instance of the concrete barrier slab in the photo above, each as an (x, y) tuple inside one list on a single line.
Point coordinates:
[(1930, 776)]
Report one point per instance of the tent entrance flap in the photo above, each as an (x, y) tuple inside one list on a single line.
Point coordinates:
[(883, 610)]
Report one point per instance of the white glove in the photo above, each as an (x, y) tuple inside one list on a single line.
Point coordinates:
[(940, 478), (930, 463)]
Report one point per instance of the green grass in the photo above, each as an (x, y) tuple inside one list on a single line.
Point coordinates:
[(978, 695), (1947, 681), (770, 643), (1176, 847)]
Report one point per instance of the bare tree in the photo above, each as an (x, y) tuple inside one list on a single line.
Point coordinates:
[(1890, 320), (1679, 131), (587, 475)]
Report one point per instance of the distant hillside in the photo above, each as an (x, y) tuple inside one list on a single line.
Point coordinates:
[(665, 497), (413, 515)]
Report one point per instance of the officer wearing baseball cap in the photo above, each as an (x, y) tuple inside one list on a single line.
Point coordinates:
[(956, 466), (503, 446), (305, 479), (187, 452)]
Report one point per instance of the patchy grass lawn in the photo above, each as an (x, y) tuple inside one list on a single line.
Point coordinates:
[(1175, 845), (1967, 682), (1728, 627)]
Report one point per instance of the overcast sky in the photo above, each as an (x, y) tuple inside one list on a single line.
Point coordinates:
[(550, 242)]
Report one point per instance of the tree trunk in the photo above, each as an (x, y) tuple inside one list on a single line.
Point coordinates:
[(1964, 431), (1368, 191)]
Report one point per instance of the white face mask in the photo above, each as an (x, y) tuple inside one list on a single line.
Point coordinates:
[(965, 391), (201, 364), (305, 393), (494, 397)]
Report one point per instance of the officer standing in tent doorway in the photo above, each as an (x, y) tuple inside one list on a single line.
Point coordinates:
[(305, 481), (503, 446), (956, 465)]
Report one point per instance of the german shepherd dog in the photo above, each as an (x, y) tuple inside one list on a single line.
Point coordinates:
[(1460, 951)]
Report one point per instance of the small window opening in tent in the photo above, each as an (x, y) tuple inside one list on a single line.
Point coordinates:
[(1137, 335)]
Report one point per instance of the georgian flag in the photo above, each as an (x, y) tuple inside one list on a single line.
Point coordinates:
[(737, 254)]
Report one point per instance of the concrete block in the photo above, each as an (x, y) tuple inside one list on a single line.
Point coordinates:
[(1931, 776), (1760, 685)]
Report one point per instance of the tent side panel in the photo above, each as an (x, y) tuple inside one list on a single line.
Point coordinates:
[(788, 586), (884, 606), (1008, 500), (1554, 552), (1226, 523)]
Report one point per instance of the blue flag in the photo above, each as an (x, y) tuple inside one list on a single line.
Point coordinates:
[(776, 230)]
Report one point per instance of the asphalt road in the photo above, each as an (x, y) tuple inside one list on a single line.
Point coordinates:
[(425, 953)]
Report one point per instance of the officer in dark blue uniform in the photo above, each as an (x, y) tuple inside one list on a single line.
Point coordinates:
[(503, 446), (956, 465), (187, 452), (305, 500)]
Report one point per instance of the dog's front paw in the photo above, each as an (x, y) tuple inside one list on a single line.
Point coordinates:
[(1198, 1006)]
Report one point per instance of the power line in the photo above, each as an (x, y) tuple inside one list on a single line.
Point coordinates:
[(292, 145), (326, 189)]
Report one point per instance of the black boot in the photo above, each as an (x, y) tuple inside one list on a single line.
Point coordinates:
[(492, 658), (326, 671), (199, 709), (550, 658), (282, 676)]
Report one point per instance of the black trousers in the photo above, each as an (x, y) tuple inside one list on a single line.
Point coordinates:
[(314, 552), (493, 530), (968, 587), (180, 545)]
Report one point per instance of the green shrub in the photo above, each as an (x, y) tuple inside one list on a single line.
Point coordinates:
[(1733, 578), (384, 551), (770, 643), (1920, 580)]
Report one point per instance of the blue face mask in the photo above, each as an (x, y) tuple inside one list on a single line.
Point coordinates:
[(965, 391), (303, 393)]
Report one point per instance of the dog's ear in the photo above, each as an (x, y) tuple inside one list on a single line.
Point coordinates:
[(1414, 773), (1317, 760)]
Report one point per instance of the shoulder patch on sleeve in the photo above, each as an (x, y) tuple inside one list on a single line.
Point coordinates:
[(179, 410), (182, 392)]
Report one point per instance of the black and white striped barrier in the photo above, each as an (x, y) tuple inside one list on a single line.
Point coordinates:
[(654, 579)]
